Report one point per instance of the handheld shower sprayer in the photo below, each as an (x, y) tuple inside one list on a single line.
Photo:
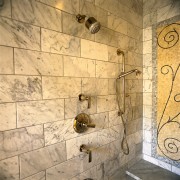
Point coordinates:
[(90, 22)]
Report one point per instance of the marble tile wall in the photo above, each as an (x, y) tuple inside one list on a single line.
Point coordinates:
[(153, 13), (47, 59)]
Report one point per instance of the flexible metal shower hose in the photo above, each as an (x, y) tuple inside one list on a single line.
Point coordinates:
[(124, 143)]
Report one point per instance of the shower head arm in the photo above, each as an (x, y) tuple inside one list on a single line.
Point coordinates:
[(80, 18)]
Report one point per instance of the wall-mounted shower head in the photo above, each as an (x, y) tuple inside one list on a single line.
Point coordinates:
[(90, 22)]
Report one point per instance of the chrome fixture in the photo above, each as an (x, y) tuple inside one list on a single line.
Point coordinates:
[(83, 148), (1, 3), (83, 97), (90, 22), (82, 123)]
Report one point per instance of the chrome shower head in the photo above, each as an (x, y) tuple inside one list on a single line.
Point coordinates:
[(90, 22)]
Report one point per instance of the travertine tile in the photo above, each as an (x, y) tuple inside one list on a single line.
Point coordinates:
[(106, 103), (78, 67), (112, 86), (134, 86), (70, 6), (51, 156), (39, 176), (94, 50), (117, 24), (37, 63), (9, 169), (17, 34), (134, 32), (104, 69), (8, 116), (149, 19), (73, 107), (65, 170), (134, 59), (95, 86), (36, 13), (123, 42), (59, 43), (6, 60), (19, 88), (6, 9), (169, 11), (71, 27), (18, 141), (60, 87), (39, 112)]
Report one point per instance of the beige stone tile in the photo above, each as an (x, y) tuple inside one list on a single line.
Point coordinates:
[(37, 63), (147, 47), (51, 155), (117, 24), (147, 99), (147, 60), (70, 6), (37, 13), (94, 50), (106, 103), (147, 34), (134, 59), (9, 168), (95, 86), (149, 19), (72, 27), (114, 119), (39, 112), (147, 111), (168, 11), (8, 116), (61, 87), (107, 36), (123, 42), (112, 86), (134, 86), (39, 176), (65, 170), (6, 60), (17, 34), (78, 67), (59, 43), (134, 32), (147, 124), (112, 55), (73, 107), (107, 69), (6, 9), (147, 72), (147, 85), (19, 88), (18, 141)]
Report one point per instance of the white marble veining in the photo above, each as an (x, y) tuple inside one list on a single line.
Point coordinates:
[(51, 156), (37, 14), (59, 43), (95, 86), (8, 116), (61, 87), (6, 60), (147, 34), (70, 6), (147, 47), (78, 67), (39, 112), (37, 63), (9, 169), (93, 50), (18, 141), (17, 34), (39, 176), (104, 69), (147, 86), (19, 88)]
